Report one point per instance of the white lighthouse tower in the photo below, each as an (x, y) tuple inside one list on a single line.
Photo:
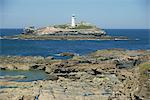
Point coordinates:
[(73, 21)]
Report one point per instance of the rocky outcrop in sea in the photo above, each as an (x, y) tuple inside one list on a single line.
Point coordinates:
[(65, 32)]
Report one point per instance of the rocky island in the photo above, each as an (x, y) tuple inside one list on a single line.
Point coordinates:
[(113, 74), (73, 31)]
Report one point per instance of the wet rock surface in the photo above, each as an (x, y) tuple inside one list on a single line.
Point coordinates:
[(67, 54), (114, 74)]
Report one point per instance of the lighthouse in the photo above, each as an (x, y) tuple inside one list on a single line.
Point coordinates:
[(73, 21)]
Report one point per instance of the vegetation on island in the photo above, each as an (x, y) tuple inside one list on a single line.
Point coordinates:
[(63, 26), (81, 25)]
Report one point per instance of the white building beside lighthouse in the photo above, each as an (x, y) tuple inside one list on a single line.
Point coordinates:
[(73, 24)]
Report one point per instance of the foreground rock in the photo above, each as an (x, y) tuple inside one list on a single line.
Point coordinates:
[(24, 62), (102, 75)]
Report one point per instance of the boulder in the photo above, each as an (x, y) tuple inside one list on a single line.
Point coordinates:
[(49, 58), (67, 54), (126, 63), (51, 77), (28, 97), (48, 70)]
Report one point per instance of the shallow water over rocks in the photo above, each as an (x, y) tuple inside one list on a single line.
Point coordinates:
[(14, 75)]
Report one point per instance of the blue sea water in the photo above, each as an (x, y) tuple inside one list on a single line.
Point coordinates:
[(140, 40)]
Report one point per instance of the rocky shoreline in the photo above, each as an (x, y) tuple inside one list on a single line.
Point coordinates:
[(53, 37), (113, 74)]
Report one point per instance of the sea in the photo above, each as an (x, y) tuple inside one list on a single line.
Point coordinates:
[(139, 40)]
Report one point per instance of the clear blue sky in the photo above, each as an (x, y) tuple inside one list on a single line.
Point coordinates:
[(103, 13)]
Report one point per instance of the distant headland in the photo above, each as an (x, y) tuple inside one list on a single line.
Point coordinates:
[(71, 31)]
